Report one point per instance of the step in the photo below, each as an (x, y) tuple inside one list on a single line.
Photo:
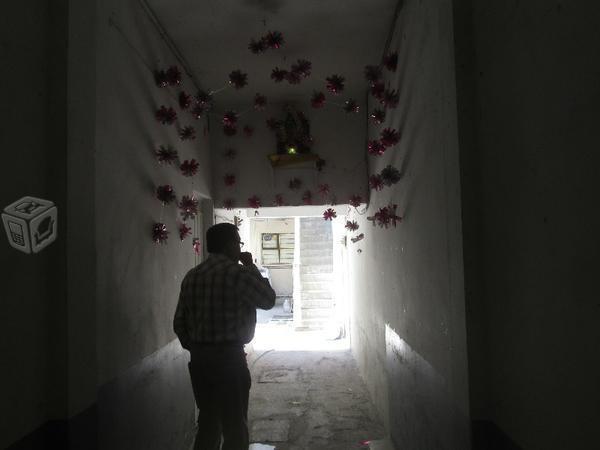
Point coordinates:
[(317, 260), (312, 324), (316, 286), (316, 313), (312, 245), (311, 253), (317, 303), (321, 268), (317, 295), (316, 277)]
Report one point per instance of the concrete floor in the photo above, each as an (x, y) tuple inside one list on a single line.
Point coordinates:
[(310, 400)]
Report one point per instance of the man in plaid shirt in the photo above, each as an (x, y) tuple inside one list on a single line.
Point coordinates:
[(215, 317)]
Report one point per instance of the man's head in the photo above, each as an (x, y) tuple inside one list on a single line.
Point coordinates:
[(224, 239)]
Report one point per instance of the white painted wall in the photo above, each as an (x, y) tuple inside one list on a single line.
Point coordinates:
[(408, 319)]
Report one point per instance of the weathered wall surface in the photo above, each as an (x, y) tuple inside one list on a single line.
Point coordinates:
[(408, 319), (33, 138), (534, 162), (138, 280)]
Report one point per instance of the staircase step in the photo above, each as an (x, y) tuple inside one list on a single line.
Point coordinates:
[(316, 286), (317, 303), (315, 245), (321, 268), (317, 260), (317, 295), (317, 313), (319, 252), (316, 277)]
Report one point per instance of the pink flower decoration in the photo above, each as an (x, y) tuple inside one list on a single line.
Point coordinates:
[(355, 201), (278, 200), (184, 231), (323, 190), (390, 61), (166, 154), (189, 168), (307, 197), (165, 194), (166, 116), (389, 137), (385, 217), (372, 73), (329, 214), (278, 75), (351, 106), (173, 76), (159, 233), (377, 116), (228, 204), (185, 100), (238, 79), (273, 39), (335, 84), (390, 99), (229, 179), (196, 245), (260, 102), (317, 100), (188, 207), (254, 202), (375, 182), (376, 148), (187, 133), (351, 225)]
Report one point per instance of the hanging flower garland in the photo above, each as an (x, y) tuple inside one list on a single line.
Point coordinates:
[(375, 147), (238, 79), (188, 207), (390, 61), (260, 102), (187, 133), (185, 100), (165, 193), (351, 106), (329, 214), (351, 225), (355, 201), (375, 182), (166, 155), (377, 116), (196, 245), (385, 217), (159, 233), (323, 190), (307, 197), (254, 202), (272, 40), (317, 100), (189, 168), (166, 116), (184, 231), (278, 200), (335, 84), (390, 175)]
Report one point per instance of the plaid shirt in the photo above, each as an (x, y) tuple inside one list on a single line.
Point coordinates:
[(218, 301)]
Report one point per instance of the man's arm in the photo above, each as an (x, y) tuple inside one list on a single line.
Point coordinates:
[(252, 287), (179, 319)]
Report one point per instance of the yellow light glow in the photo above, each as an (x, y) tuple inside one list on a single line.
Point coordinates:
[(291, 151)]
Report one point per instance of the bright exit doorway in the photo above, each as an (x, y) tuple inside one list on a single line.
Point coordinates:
[(304, 258)]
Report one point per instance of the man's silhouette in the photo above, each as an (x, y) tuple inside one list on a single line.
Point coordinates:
[(215, 317)]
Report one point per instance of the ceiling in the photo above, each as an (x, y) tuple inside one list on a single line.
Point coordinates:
[(337, 36)]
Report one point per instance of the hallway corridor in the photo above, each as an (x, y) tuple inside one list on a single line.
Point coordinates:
[(310, 400)]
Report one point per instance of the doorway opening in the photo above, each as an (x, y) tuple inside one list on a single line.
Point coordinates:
[(304, 258)]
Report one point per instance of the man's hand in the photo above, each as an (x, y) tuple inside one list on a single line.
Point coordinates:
[(246, 259)]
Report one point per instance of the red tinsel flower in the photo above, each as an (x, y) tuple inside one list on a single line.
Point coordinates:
[(293, 77), (302, 67), (355, 201), (323, 190), (360, 237), (390, 175), (230, 119), (377, 116), (295, 183), (273, 124), (166, 154), (307, 197), (189, 168), (257, 47), (278, 75), (376, 182), (254, 202), (173, 76), (351, 106), (317, 100), (248, 131), (273, 39), (260, 102), (335, 84), (184, 231), (352, 225), (389, 137), (204, 98), (329, 214), (390, 61), (375, 147), (165, 115), (196, 245), (159, 233), (187, 133), (188, 206), (228, 204), (377, 90), (230, 153), (238, 79), (229, 179), (278, 200), (229, 131), (385, 217), (185, 100), (160, 77), (165, 194), (390, 98), (372, 73), (320, 163)]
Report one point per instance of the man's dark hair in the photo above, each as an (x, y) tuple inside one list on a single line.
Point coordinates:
[(219, 235)]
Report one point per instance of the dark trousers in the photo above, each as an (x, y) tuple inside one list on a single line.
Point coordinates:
[(221, 383)]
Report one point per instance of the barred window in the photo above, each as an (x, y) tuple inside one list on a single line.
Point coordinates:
[(277, 248)]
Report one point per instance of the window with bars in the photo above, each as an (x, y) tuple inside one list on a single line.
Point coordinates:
[(277, 248)]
